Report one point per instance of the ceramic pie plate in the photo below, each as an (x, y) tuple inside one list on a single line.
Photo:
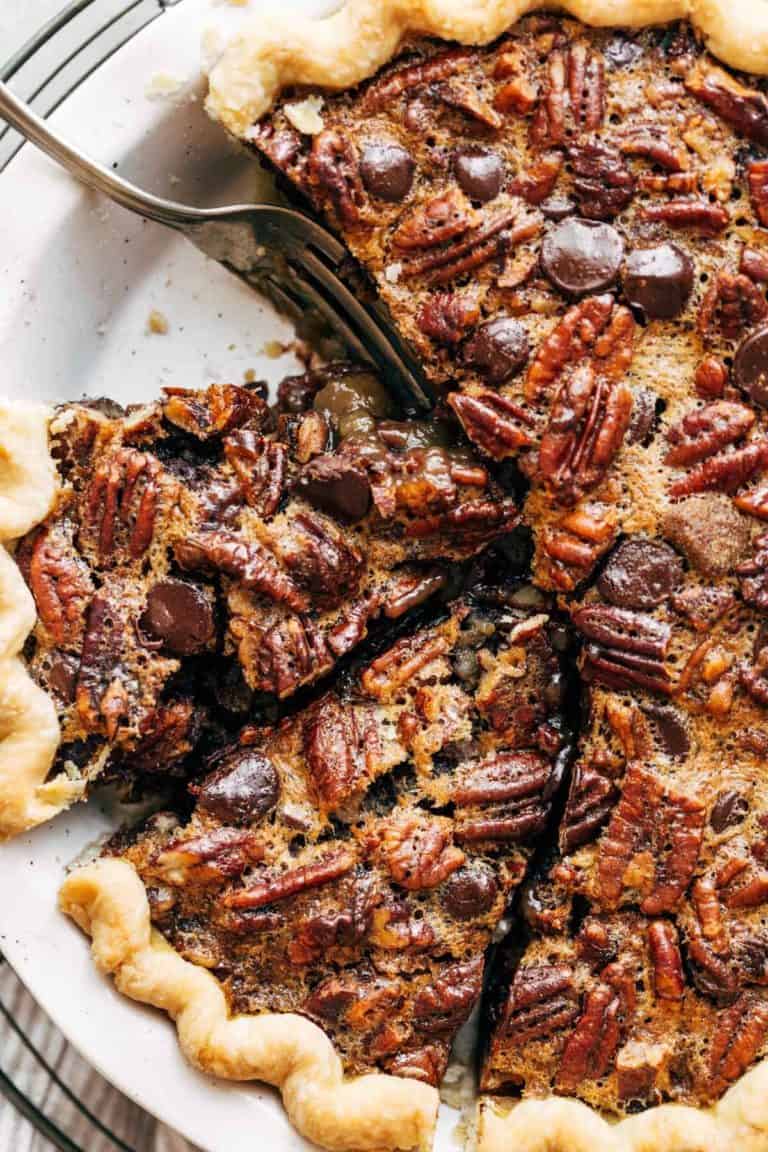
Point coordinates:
[(78, 280)]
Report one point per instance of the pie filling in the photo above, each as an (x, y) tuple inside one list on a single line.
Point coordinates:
[(323, 622)]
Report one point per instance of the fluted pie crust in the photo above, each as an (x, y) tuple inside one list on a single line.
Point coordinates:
[(107, 899), (29, 730), (279, 49)]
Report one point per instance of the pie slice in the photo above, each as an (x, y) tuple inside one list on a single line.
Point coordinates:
[(210, 551), (353, 863)]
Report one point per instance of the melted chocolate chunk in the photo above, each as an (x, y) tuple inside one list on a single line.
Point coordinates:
[(497, 349), (244, 788), (387, 171), (336, 486), (470, 892), (582, 256), (750, 367), (658, 280), (180, 615), (480, 173), (640, 574)]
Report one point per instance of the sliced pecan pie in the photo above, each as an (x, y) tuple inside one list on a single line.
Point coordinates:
[(353, 863), (210, 539)]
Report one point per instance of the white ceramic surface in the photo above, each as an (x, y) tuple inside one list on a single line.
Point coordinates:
[(78, 278)]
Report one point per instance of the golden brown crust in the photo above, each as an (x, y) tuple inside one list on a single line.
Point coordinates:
[(280, 50), (107, 900), (739, 1120), (29, 731)]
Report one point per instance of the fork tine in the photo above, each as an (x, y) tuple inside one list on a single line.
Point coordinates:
[(304, 295), (372, 330)]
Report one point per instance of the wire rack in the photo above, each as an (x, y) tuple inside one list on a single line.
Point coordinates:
[(45, 70)]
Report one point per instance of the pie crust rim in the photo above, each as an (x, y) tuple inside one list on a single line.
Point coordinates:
[(107, 898)]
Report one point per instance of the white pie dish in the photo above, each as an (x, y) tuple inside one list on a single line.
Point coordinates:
[(78, 280)]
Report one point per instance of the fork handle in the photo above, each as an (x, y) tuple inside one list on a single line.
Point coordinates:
[(21, 117)]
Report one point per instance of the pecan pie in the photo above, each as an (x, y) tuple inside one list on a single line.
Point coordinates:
[(212, 537), (377, 821)]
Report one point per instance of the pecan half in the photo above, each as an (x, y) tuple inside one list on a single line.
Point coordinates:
[(587, 424), (218, 410), (120, 505), (427, 1064), (444, 1005), (647, 141), (591, 1048), (338, 749), (388, 88), (757, 177), (101, 695), (651, 820), (688, 213), (211, 858), (574, 338), (340, 928), (246, 561), (668, 979), (739, 1036), (389, 673), (732, 304), (493, 237), (416, 850), (517, 785), (334, 173), (745, 109), (603, 185), (706, 905), (259, 465), (541, 1001), (753, 575), (60, 583), (278, 659), (446, 316), (591, 800), (495, 424), (280, 885), (573, 99), (434, 223), (705, 431), (725, 472)]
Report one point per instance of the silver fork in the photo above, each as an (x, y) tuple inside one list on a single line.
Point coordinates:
[(274, 249)]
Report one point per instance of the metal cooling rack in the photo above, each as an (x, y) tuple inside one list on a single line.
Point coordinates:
[(45, 70)]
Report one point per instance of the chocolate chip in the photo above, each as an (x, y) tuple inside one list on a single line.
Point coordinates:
[(557, 207), (387, 171), (730, 807), (658, 280), (62, 675), (242, 789), (582, 256), (470, 892), (643, 418), (180, 615), (336, 486), (640, 574), (750, 366), (670, 729), (497, 349), (480, 173)]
